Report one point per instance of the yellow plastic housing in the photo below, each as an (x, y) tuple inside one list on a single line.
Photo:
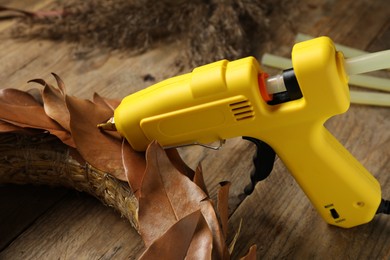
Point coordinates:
[(222, 100)]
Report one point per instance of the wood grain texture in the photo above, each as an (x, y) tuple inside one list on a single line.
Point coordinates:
[(277, 216), (78, 227), (21, 206)]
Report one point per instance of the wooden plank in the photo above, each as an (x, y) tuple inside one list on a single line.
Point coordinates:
[(79, 227), (21, 206), (109, 74)]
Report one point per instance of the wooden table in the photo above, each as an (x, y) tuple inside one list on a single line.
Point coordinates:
[(56, 223)]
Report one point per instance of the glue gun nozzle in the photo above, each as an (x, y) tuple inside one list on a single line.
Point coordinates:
[(109, 125)]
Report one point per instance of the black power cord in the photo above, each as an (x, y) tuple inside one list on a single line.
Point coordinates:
[(384, 207)]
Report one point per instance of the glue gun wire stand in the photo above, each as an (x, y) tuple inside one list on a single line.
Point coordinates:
[(285, 113)]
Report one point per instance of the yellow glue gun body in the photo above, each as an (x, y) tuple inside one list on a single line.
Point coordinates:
[(222, 100)]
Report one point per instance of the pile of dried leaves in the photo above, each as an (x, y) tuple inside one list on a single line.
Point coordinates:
[(210, 30), (176, 217)]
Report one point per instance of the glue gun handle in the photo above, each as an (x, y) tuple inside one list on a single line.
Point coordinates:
[(340, 188)]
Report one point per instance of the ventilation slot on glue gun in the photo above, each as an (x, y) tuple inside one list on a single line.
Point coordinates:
[(242, 110)]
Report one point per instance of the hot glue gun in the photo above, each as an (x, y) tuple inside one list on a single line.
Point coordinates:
[(286, 112)]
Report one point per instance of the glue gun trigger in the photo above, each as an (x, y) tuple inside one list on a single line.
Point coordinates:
[(264, 162)]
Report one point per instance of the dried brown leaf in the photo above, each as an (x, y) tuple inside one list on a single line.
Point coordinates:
[(7, 127), (102, 150), (54, 103), (134, 164), (223, 205), (175, 242), (17, 97), (37, 94), (166, 195), (110, 103), (199, 180), (196, 176), (220, 250), (60, 84), (202, 242), (251, 254), (21, 109), (179, 164), (10, 128)]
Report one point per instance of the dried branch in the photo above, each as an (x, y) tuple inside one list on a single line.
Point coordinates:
[(136, 26)]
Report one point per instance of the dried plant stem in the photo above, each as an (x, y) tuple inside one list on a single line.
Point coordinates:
[(44, 160)]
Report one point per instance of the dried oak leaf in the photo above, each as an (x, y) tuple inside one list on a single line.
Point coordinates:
[(8, 128), (134, 169), (110, 103), (201, 246), (174, 244), (21, 109), (37, 94), (54, 102), (166, 197), (223, 206), (17, 97), (179, 164), (8, 95), (134, 164), (199, 180), (220, 250), (102, 150)]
